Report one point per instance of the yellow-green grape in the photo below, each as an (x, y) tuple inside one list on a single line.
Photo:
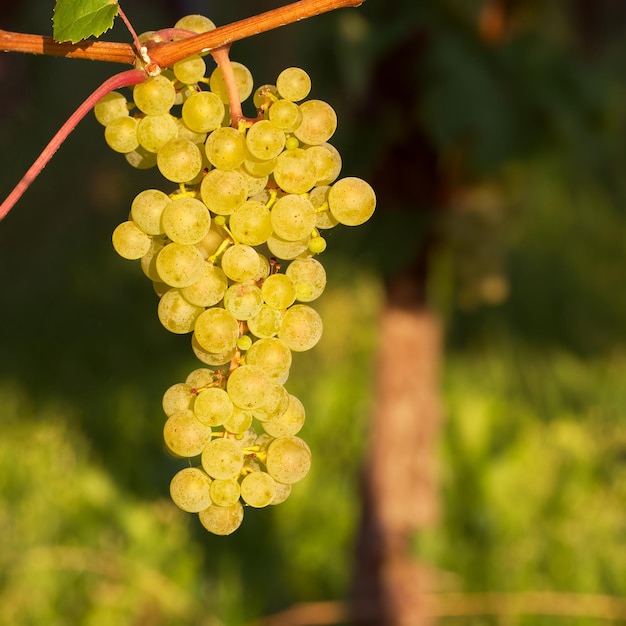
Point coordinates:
[(244, 342), (140, 158), (278, 291), (179, 160), (254, 184), (240, 263), (319, 122), (292, 143), (271, 356), (176, 314), (243, 78), (213, 406), (209, 289), (283, 491), (225, 492), (177, 398), (213, 240), (317, 245), (293, 217), (259, 167), (287, 250), (184, 132), (264, 268), (148, 261), (264, 140), (223, 191), (293, 84), (211, 358), (179, 265), (110, 107), (155, 95), (246, 386), (352, 201), (327, 162), (294, 172), (285, 115), (154, 131), (222, 458), (121, 134), (222, 520), (288, 459), (147, 208), (319, 199), (203, 111), (190, 70), (129, 241), (243, 300), (258, 489), (225, 148), (216, 331), (190, 490), (186, 220), (276, 402), (264, 95), (200, 377), (251, 223), (287, 423), (301, 328), (239, 421), (195, 23), (309, 277), (184, 435), (266, 323)]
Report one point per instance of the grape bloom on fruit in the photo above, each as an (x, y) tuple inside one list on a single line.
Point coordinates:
[(230, 245)]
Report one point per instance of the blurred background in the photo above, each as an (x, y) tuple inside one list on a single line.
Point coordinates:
[(487, 297)]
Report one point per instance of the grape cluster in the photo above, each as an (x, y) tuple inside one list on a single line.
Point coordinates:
[(230, 252)]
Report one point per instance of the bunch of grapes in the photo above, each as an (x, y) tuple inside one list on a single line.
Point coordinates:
[(230, 251)]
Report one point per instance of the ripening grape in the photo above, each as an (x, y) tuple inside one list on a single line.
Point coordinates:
[(352, 201), (190, 70), (129, 241), (288, 459), (110, 107), (185, 435), (176, 314), (190, 490), (121, 134), (258, 489), (278, 291), (319, 122), (242, 76), (222, 458), (216, 330), (186, 220), (301, 328), (293, 84), (154, 131), (155, 95), (147, 208), (222, 520), (179, 265)]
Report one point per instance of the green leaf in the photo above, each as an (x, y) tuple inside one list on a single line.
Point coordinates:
[(75, 20)]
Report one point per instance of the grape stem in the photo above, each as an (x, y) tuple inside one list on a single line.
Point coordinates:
[(222, 58), (123, 79)]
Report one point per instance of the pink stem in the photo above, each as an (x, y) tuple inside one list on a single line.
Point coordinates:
[(220, 55), (131, 30), (123, 79)]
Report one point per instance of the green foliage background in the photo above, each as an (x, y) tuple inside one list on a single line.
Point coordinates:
[(532, 451)]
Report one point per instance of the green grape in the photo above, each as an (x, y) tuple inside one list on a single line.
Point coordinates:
[(213, 240), (190, 490), (264, 140), (154, 131), (200, 377), (177, 398), (317, 245), (179, 160), (225, 492), (213, 406), (129, 241), (278, 291), (203, 111), (271, 356), (246, 386), (319, 199), (211, 358), (285, 115), (176, 314), (140, 158), (155, 95), (184, 132), (190, 70), (326, 161), (292, 143), (217, 330), (179, 265), (309, 277), (251, 223), (243, 300), (186, 220), (222, 520), (259, 167), (121, 134), (222, 458), (266, 323), (293, 217), (209, 289), (184, 435), (258, 489), (147, 208), (293, 84), (287, 423), (283, 491), (319, 122), (225, 148), (352, 201), (275, 403), (195, 23), (301, 328), (240, 263), (264, 268), (148, 261), (244, 342), (287, 250), (243, 78), (110, 107), (223, 191), (239, 421), (254, 184), (288, 459), (294, 172)]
